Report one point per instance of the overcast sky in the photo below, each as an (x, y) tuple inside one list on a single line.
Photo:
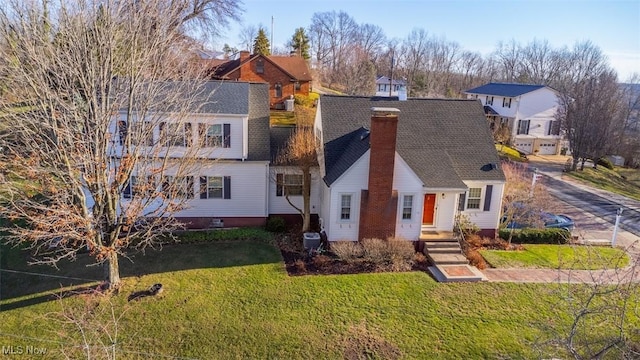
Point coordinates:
[(477, 25)]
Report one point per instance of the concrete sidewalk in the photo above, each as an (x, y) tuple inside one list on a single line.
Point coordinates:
[(624, 240)]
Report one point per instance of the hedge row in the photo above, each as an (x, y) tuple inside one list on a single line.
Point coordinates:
[(194, 236), (536, 236)]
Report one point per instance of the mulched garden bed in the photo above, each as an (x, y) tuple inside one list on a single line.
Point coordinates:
[(299, 262)]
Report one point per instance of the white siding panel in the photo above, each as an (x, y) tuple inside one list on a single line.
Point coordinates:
[(248, 192), (351, 182), (406, 182), (280, 205), (486, 219)]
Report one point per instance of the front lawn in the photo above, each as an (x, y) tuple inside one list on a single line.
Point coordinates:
[(558, 257), (507, 152), (231, 300), (620, 181)]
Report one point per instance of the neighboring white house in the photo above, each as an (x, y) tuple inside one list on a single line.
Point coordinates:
[(236, 182), (401, 168), (527, 110), (387, 87)]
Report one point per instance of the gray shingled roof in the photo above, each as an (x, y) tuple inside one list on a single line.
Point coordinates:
[(444, 141), (504, 89), (279, 137)]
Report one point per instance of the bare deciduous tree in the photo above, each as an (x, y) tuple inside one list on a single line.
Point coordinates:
[(106, 95), (601, 307), (521, 203), (300, 154), (247, 36)]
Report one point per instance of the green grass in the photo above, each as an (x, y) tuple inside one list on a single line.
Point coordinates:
[(509, 152), (231, 300), (558, 257), (282, 118), (611, 180)]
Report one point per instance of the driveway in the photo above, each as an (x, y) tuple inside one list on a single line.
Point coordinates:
[(592, 209)]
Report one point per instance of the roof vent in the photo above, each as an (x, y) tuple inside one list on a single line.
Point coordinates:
[(489, 167), (364, 135)]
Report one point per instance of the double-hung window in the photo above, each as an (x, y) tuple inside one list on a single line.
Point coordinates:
[(407, 207), (345, 207), (143, 133), (523, 127), (178, 187), (473, 198), (506, 102), (215, 187), (215, 135), (175, 134), (288, 185), (123, 132)]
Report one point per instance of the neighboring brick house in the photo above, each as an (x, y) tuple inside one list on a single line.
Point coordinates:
[(405, 168), (528, 111), (286, 75)]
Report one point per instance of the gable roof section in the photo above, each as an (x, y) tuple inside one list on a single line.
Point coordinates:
[(385, 80), (444, 141), (294, 66), (504, 89), (279, 137)]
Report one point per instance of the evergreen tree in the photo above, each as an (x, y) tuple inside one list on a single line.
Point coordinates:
[(300, 43), (261, 43)]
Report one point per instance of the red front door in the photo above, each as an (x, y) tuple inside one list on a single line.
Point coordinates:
[(429, 209)]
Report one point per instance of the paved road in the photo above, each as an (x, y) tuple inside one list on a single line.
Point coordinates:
[(592, 209)]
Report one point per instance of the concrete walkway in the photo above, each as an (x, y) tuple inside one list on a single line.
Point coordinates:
[(624, 240)]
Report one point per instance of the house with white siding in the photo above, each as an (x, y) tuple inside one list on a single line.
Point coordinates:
[(401, 169), (385, 167), (234, 181), (528, 111)]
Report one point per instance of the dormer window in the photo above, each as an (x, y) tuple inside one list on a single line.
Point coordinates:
[(259, 66)]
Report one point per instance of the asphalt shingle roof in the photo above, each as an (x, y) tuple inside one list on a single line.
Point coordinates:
[(279, 137), (444, 141), (504, 89), (294, 66)]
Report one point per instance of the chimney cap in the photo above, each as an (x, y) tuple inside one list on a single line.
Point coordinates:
[(384, 111)]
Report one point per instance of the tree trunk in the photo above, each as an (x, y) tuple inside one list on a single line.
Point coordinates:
[(112, 270)]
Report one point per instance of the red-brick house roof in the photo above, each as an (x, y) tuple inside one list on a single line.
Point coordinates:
[(287, 75)]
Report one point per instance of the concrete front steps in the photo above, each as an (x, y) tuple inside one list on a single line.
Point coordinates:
[(450, 265)]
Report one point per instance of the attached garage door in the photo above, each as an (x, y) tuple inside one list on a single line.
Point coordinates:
[(547, 148), (524, 146)]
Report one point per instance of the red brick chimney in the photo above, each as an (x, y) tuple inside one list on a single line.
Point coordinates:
[(244, 69), (379, 203)]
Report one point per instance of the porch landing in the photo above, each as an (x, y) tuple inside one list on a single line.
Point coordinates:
[(449, 263), (456, 273)]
